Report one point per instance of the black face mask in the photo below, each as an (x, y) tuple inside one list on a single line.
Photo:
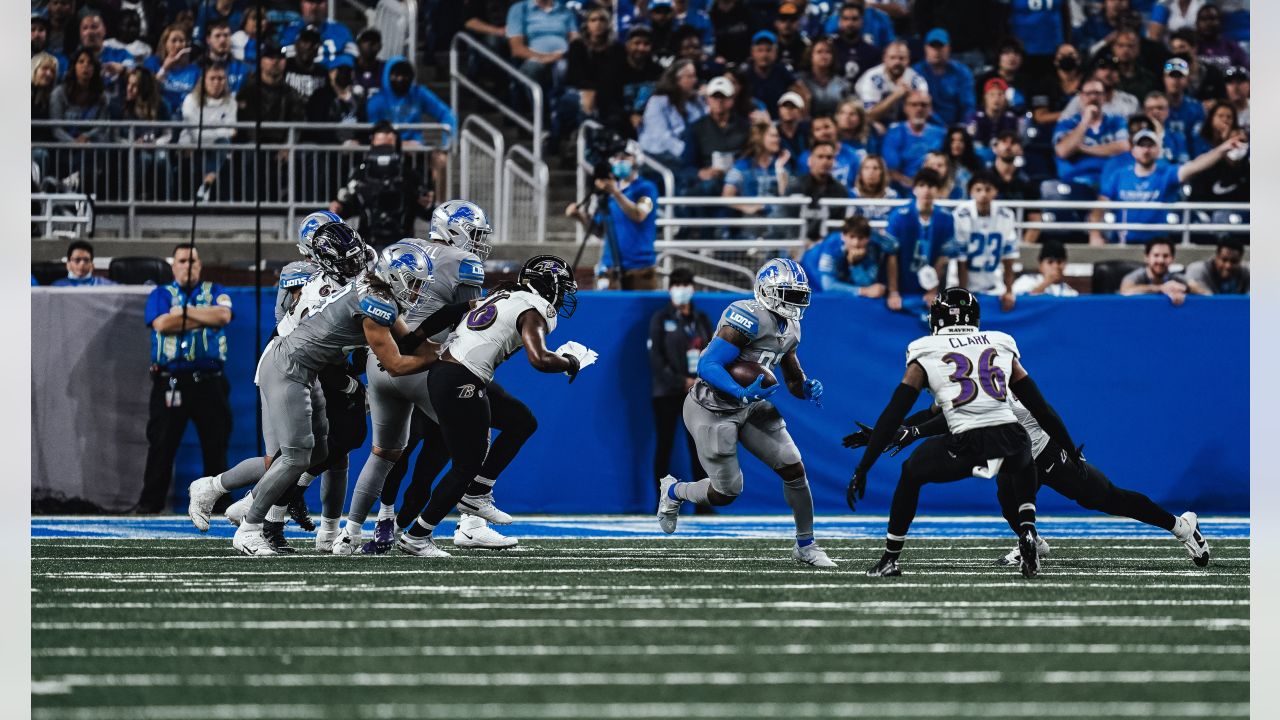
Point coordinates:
[(343, 78), (400, 85), (1068, 63)]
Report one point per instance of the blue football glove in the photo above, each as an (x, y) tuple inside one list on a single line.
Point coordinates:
[(813, 391), (755, 391)]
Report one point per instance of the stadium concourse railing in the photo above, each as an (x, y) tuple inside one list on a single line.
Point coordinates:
[(481, 151), (464, 55), (153, 167), (61, 215)]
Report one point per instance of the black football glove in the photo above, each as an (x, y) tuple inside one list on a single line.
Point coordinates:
[(903, 438), (857, 489), (858, 439), (574, 366)]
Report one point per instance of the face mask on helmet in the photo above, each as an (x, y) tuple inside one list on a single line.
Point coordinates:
[(954, 307)]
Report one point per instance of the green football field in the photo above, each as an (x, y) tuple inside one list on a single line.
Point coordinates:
[(637, 628)]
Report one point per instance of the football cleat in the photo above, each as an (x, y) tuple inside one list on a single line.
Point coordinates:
[(343, 544), (420, 546), (1187, 529), (325, 538), (238, 509), (203, 496), (384, 537), (274, 533), (887, 567), (813, 555), (251, 542), (1028, 554), (483, 506), (1014, 556), (300, 514), (474, 532), (668, 509)]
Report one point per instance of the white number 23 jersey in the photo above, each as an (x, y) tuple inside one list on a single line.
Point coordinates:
[(968, 373)]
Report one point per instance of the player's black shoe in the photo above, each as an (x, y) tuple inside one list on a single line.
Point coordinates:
[(887, 567), (1029, 554), (299, 513), (274, 533)]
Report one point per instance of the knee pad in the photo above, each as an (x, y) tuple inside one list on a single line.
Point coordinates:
[(728, 488), (793, 475), (297, 457)]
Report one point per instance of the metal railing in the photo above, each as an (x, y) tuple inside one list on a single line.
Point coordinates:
[(481, 152), (525, 179), (141, 166), (63, 215), (458, 78)]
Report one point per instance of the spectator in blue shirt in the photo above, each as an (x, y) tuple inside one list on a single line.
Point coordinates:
[(1186, 114), (80, 267), (696, 18), (219, 52), (855, 130), (1041, 27), (1083, 142), (823, 129), (173, 67), (209, 12), (1173, 144), (950, 83), (851, 261), (769, 78), (1151, 179), (335, 38), (40, 42), (629, 261), (1097, 28), (793, 129), (877, 26), (540, 32), (925, 238), (907, 142), (93, 36), (760, 172), (404, 101)]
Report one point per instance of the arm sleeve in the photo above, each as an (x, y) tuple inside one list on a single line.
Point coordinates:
[(711, 366), (923, 416), (936, 425), (1027, 392), (903, 398)]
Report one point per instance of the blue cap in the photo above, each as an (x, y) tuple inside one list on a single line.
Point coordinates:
[(342, 60), (764, 36), (937, 35)]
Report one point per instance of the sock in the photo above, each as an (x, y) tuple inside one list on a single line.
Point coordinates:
[(801, 501), (245, 473), (250, 528), (804, 540), (1181, 528), (305, 480), (217, 484), (1027, 517), (329, 524), (893, 545), (480, 486), (421, 528), (277, 513), (694, 492), (368, 487), (354, 529), (386, 512)]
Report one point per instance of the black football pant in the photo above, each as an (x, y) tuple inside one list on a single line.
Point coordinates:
[(937, 460), (347, 427), (514, 422), (461, 402), (204, 399), (1091, 492)]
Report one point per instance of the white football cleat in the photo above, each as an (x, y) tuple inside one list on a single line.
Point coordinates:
[(1187, 529), (238, 509), (203, 496), (251, 542), (420, 546), (344, 544), (668, 509), (483, 506), (325, 538), (1014, 558), (811, 554), (474, 532)]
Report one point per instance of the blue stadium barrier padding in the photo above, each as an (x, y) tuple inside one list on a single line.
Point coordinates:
[(1158, 394)]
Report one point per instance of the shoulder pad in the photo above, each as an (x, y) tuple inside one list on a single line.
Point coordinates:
[(378, 307), (918, 348), (471, 271), (740, 317), (1007, 342)]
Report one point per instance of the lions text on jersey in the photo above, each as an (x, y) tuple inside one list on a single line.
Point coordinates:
[(968, 373), (988, 240), (770, 339)]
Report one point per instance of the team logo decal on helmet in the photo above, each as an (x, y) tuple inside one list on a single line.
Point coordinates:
[(464, 225), (407, 269), (550, 277), (339, 251), (783, 288), (310, 224)]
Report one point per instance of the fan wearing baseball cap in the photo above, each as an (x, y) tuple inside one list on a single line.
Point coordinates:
[(950, 82), (769, 78), (1186, 114), (1151, 179), (792, 44)]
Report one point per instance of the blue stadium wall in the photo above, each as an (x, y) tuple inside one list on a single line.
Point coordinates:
[(1159, 395)]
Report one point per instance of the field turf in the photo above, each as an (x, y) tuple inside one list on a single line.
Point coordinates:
[(638, 627)]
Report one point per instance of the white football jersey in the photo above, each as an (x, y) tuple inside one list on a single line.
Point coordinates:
[(314, 294), (968, 373), (488, 334), (988, 240), (1039, 440)]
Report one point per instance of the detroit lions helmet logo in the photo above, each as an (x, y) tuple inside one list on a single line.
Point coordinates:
[(405, 261), (462, 212)]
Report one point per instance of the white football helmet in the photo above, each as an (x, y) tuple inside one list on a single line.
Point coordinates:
[(783, 288), (407, 269), (308, 228), (464, 225)]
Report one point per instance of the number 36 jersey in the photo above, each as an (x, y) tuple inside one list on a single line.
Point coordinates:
[(968, 373)]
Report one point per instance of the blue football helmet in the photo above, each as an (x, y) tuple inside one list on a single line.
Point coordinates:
[(407, 269), (310, 224), (464, 225), (783, 288)]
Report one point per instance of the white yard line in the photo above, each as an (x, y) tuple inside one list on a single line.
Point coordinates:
[(721, 604), (303, 586), (432, 567)]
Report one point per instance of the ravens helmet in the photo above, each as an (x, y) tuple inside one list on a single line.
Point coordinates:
[(954, 306), (551, 277), (339, 251), (464, 225), (310, 224), (783, 287)]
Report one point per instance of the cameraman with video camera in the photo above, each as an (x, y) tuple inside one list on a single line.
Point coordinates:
[(623, 212), (386, 192)]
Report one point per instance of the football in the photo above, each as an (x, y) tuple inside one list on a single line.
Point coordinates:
[(746, 372)]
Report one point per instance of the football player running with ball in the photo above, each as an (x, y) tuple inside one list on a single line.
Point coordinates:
[(752, 337), (970, 373)]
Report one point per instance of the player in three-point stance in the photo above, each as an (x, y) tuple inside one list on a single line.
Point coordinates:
[(970, 373), (515, 316), (364, 313), (720, 413)]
